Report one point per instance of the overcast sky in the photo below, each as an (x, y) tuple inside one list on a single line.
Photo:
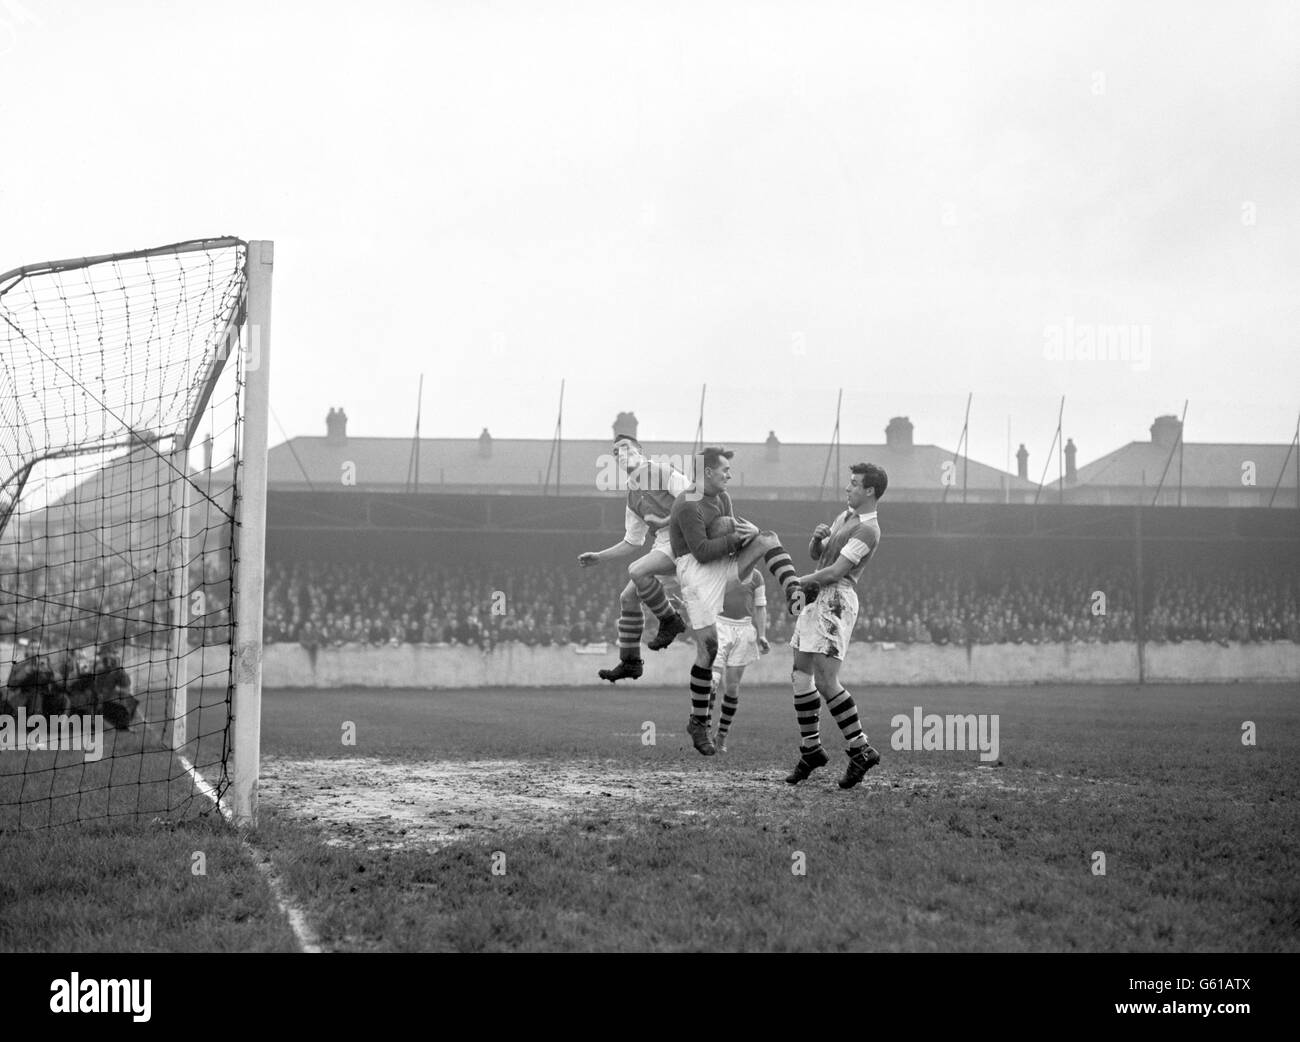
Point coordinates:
[(911, 202)]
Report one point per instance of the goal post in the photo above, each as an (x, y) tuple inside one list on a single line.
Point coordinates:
[(131, 567), (250, 560)]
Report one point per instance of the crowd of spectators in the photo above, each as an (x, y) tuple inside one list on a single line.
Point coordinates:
[(318, 603), (333, 602), (115, 599)]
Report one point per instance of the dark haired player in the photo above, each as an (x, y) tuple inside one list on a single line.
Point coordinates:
[(652, 488), (742, 638), (704, 566), (822, 633)]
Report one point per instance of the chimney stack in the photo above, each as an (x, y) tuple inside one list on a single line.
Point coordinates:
[(625, 425), (1071, 472), (898, 435), (773, 447), (1022, 462), (336, 427), (485, 444), (1165, 431)]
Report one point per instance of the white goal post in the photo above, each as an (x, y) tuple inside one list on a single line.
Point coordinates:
[(251, 529)]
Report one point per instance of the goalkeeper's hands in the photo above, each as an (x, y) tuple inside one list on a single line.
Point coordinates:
[(821, 532), (589, 558)]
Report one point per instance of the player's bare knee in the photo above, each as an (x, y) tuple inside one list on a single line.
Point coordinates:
[(826, 677), (706, 651)]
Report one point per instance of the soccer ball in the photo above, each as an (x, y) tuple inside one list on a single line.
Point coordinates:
[(720, 526)]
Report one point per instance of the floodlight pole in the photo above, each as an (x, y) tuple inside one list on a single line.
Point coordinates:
[(250, 533)]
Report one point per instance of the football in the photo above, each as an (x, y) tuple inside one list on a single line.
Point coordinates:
[(720, 526)]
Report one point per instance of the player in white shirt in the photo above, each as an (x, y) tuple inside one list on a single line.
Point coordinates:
[(652, 489), (822, 633)]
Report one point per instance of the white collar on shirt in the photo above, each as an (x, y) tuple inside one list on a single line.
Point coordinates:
[(861, 517)]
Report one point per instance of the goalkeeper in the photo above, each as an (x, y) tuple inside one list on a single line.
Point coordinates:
[(711, 545)]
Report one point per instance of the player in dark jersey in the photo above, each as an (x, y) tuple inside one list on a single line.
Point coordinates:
[(821, 636), (705, 564), (653, 487)]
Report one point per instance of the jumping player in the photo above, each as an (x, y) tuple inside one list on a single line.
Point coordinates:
[(652, 489), (742, 637), (821, 635), (704, 564)]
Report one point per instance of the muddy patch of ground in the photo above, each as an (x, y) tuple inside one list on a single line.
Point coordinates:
[(393, 804)]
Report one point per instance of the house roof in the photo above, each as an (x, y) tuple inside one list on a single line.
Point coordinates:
[(1204, 465), (518, 464)]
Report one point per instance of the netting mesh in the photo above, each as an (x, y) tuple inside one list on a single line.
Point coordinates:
[(120, 433)]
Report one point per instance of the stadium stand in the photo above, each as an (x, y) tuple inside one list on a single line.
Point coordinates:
[(320, 602)]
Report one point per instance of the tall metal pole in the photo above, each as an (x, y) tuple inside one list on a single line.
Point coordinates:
[(1139, 620), (965, 437), (699, 427), (419, 408), (839, 399), (1182, 442), (1060, 450)]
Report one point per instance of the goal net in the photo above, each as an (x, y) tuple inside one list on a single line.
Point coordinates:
[(132, 490)]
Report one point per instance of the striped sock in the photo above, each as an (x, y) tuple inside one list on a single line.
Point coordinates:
[(651, 591), (782, 569), (701, 685), (845, 711), (730, 703), (630, 625), (807, 710)]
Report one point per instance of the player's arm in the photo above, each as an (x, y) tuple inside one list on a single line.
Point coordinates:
[(832, 573), (616, 552), (820, 534), (705, 549), (862, 543), (633, 539)]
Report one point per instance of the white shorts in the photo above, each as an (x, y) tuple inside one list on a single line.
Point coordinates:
[(663, 543), (826, 626), (737, 643), (703, 588)]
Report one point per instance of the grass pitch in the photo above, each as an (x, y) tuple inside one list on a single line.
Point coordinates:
[(542, 820)]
